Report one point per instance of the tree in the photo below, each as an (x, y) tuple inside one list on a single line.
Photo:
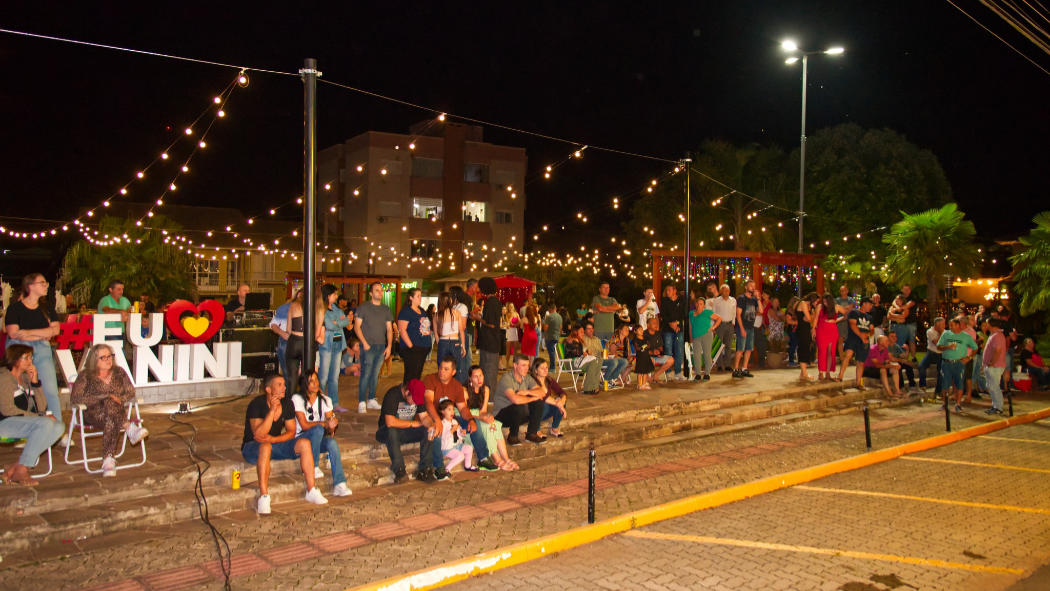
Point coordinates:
[(928, 246), (142, 260), (1032, 267)]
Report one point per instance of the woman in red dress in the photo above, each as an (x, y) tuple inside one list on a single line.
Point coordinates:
[(529, 336)]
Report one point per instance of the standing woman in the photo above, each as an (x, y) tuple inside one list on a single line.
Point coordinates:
[(104, 388), (450, 326), (32, 322), (413, 327), (702, 323), (827, 336), (530, 338), (331, 345), (293, 355), (23, 418), (804, 334), (511, 320)]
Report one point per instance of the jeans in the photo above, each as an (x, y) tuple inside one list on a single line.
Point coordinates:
[(282, 348), (394, 437), (516, 415), (40, 433), (992, 376), (44, 360), (447, 347), (910, 371), (328, 445), (328, 372), (927, 360), (613, 367), (702, 350), (725, 333), (553, 413), (674, 346), (490, 368), (552, 351), (284, 450), (1039, 375), (371, 362), (477, 439)]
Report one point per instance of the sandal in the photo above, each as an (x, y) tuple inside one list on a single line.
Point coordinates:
[(21, 478), (556, 433)]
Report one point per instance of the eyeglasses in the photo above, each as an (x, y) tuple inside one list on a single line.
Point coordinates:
[(105, 357)]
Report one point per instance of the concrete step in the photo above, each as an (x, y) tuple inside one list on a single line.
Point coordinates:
[(83, 509)]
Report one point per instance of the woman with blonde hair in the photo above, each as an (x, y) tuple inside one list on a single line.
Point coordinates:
[(104, 388), (511, 320)]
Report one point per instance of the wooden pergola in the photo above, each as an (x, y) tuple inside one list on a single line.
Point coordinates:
[(748, 263)]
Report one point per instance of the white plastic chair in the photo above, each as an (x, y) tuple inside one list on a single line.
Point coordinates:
[(77, 423), (566, 366), (50, 461)]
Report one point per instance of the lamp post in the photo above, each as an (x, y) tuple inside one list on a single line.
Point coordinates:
[(791, 46)]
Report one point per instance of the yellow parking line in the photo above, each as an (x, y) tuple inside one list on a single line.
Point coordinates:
[(1043, 441), (825, 551), (978, 464), (885, 495)]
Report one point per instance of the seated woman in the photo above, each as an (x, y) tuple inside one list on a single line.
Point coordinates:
[(491, 429), (24, 413), (312, 408), (554, 401), (1032, 363), (589, 365), (104, 389), (619, 348)]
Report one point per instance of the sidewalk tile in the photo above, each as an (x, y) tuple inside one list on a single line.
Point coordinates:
[(425, 522), (465, 513), (290, 553), (125, 585), (500, 505), (240, 565), (564, 490), (176, 578), (384, 531), (340, 542), (533, 498)]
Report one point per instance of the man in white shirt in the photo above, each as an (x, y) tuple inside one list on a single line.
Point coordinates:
[(647, 307), (725, 307)]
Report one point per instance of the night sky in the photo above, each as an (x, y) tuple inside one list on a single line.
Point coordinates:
[(654, 77)]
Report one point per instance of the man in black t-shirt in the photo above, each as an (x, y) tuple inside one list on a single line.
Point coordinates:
[(269, 434), (654, 338), (746, 311), (403, 419)]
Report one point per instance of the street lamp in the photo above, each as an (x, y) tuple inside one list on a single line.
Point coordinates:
[(790, 46)]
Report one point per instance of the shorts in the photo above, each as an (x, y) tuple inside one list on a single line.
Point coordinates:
[(952, 374), (284, 450), (905, 334), (745, 343), (661, 359), (870, 371), (860, 350)]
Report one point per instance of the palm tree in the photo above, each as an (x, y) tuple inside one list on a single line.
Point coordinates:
[(1032, 267), (926, 247)]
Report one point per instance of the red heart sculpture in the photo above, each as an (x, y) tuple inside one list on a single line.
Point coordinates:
[(216, 314)]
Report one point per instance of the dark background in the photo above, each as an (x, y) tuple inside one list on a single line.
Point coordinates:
[(655, 78)]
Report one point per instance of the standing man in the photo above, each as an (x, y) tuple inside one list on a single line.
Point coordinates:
[(373, 326), (279, 326), (647, 308), (519, 400), (957, 348), (115, 303), (672, 324), (843, 306), (403, 419), (489, 333), (441, 385), (552, 330), (856, 345), (878, 316), (746, 311), (995, 364), (724, 307), (910, 320), (269, 434), (605, 309)]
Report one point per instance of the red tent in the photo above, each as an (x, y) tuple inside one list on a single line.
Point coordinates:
[(514, 289)]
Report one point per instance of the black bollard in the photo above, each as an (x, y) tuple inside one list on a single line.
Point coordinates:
[(590, 486), (947, 414), (1010, 400), (867, 427)]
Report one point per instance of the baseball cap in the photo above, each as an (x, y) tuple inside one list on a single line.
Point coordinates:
[(415, 391)]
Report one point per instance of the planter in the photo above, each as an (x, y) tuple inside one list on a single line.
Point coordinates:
[(774, 360)]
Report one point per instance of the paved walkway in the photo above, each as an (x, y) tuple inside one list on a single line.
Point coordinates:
[(972, 515), (384, 531)]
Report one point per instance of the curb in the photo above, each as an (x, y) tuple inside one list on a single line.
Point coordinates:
[(500, 558)]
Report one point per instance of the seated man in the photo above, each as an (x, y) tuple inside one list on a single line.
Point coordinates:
[(269, 434), (655, 339), (519, 399), (403, 419), (877, 365), (612, 366), (899, 355), (441, 385), (314, 409), (1032, 363)]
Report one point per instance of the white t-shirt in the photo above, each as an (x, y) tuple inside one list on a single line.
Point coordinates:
[(650, 311), (314, 412), (725, 309)]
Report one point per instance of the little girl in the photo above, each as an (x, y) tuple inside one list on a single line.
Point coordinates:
[(455, 445), (643, 363)]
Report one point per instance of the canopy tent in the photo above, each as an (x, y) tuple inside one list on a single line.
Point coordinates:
[(514, 289)]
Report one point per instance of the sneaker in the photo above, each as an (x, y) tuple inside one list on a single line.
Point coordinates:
[(958, 408), (471, 468), (535, 437), (487, 465), (109, 467), (737, 374), (441, 474), (67, 442), (425, 475), (136, 433), (707, 377), (698, 379), (992, 411), (341, 490), (400, 476), (362, 408), (317, 472), (747, 374), (373, 405), (314, 496), (262, 507)]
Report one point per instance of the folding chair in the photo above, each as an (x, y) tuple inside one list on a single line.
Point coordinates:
[(50, 462), (77, 423), (566, 366)]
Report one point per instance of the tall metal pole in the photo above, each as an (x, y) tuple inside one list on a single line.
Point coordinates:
[(802, 157), (309, 75), (686, 162)]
